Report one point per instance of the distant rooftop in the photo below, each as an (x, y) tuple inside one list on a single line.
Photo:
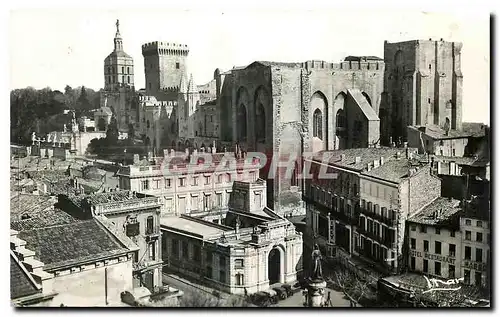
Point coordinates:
[(43, 219), (441, 211), (394, 170), (70, 244), (29, 205), (362, 58), (366, 155), (438, 133)]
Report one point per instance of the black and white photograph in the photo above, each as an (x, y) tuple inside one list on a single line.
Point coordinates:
[(266, 157)]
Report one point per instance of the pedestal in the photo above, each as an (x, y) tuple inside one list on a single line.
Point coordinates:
[(316, 291)]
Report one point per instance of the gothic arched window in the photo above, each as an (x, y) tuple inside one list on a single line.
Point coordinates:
[(318, 124), (128, 79), (242, 123), (260, 122)]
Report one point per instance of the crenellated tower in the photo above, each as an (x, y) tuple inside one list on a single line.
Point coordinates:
[(165, 64)]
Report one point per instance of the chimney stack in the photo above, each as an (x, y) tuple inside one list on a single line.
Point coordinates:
[(172, 152), (165, 153), (358, 159), (376, 163), (368, 166), (398, 155), (381, 160), (342, 157)]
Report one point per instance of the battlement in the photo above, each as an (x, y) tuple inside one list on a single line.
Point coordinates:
[(165, 48), (345, 65), (415, 42), (151, 101)]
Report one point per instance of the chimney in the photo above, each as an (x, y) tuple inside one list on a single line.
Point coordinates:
[(165, 153), (405, 144), (342, 157), (368, 167), (136, 159), (390, 140), (172, 152), (150, 156), (214, 149), (398, 155), (376, 163), (358, 159), (381, 160)]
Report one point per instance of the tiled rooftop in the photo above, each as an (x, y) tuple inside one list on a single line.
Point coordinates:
[(29, 204), (394, 170), (20, 284), (72, 243), (437, 133), (367, 155), (457, 159), (114, 196), (43, 219), (439, 212)]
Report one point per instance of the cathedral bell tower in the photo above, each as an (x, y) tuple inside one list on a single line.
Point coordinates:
[(118, 66)]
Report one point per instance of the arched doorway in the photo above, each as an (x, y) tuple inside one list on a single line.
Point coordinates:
[(101, 124), (274, 266)]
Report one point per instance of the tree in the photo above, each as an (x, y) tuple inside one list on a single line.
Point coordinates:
[(354, 288), (112, 131)]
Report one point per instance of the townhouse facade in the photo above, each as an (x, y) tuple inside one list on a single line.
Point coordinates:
[(186, 187)]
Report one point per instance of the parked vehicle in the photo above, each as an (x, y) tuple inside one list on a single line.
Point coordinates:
[(288, 288), (273, 295), (261, 299), (302, 283), (281, 292)]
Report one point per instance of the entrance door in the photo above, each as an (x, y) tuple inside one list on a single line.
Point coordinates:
[(274, 266)]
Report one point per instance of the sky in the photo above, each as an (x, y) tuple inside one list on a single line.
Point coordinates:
[(59, 47)]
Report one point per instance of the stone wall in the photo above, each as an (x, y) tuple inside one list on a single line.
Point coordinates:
[(424, 82), (88, 287)]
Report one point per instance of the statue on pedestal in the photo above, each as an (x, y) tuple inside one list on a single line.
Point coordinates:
[(317, 273), (33, 137)]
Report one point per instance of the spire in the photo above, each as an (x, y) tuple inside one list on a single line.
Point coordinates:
[(184, 87), (191, 85), (118, 38)]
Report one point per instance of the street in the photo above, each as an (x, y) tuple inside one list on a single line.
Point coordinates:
[(296, 300)]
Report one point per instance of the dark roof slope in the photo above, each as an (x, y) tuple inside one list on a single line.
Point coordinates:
[(20, 283), (362, 58), (43, 219), (72, 243), (441, 211)]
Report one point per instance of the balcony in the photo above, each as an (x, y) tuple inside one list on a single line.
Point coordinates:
[(134, 204), (388, 221), (152, 233), (368, 234)]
